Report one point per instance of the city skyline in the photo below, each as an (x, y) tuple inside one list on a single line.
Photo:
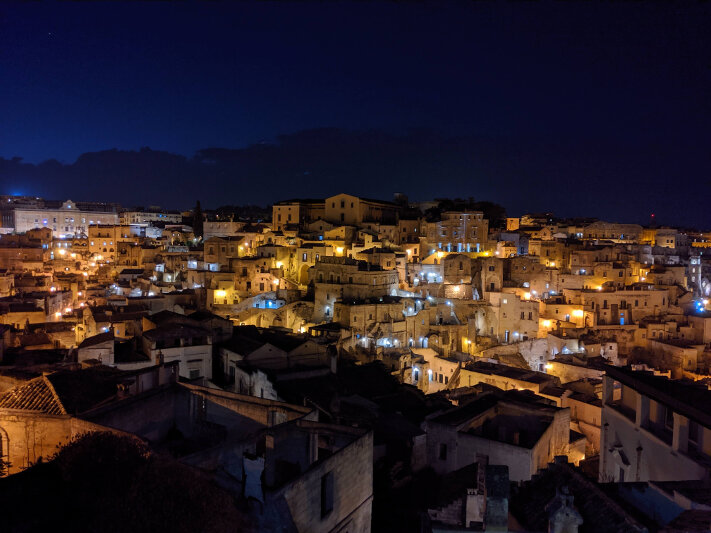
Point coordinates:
[(364, 267), (532, 107)]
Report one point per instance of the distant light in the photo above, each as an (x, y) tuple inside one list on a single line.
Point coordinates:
[(548, 366)]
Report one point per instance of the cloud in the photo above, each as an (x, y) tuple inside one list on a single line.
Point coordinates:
[(569, 176)]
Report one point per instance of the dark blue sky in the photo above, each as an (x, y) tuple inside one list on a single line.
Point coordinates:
[(595, 108)]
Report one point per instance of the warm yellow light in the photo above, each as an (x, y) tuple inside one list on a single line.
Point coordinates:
[(74, 255), (58, 314), (302, 329), (68, 310), (526, 295), (552, 263), (546, 323), (220, 294), (85, 274), (578, 312), (52, 289), (79, 293), (440, 254), (548, 366), (62, 252), (456, 288), (339, 250), (599, 288), (275, 282), (279, 264), (409, 252)]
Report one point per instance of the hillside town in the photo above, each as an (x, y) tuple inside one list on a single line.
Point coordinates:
[(357, 364)]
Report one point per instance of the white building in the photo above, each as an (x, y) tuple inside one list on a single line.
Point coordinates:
[(145, 217), (65, 219), (653, 428)]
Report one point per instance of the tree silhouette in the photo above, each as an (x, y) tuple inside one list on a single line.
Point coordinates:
[(198, 220)]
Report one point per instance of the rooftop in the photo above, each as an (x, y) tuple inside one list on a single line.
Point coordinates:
[(683, 396)]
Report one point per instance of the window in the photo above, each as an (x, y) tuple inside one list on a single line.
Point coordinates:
[(326, 494), (693, 435), (443, 452), (194, 373), (668, 418)]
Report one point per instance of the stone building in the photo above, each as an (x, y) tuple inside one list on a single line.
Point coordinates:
[(510, 429), (457, 232), (337, 278), (104, 240)]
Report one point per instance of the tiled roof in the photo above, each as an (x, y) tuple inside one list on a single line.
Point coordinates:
[(36, 395)]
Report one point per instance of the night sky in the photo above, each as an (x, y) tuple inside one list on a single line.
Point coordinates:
[(591, 109)]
